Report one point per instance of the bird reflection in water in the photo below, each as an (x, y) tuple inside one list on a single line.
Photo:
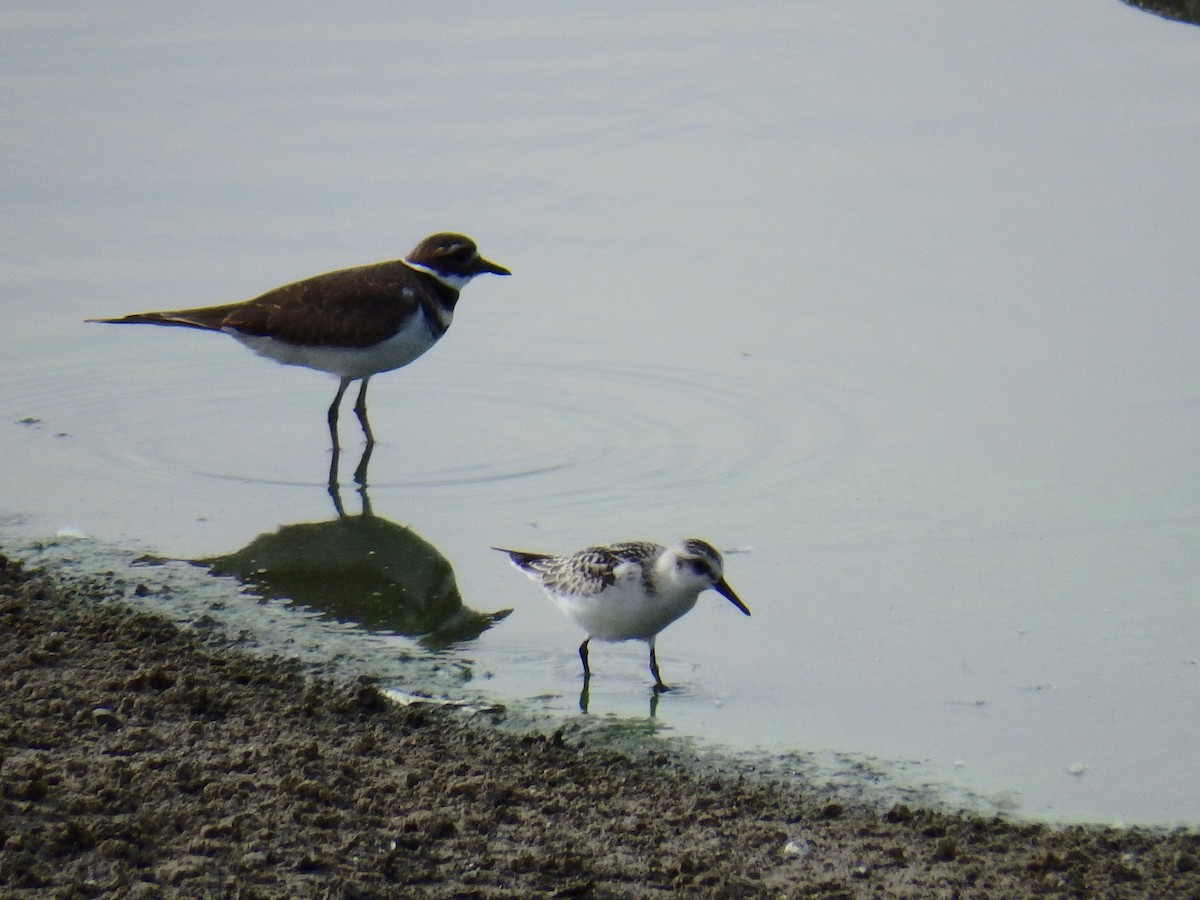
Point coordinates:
[(360, 472), (361, 569), (585, 699)]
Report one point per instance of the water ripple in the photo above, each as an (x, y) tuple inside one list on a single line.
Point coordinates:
[(561, 433)]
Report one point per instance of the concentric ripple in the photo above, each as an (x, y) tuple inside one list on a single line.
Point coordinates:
[(558, 433), (591, 434)]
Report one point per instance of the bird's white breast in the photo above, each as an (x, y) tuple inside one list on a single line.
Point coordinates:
[(624, 611), (413, 339)]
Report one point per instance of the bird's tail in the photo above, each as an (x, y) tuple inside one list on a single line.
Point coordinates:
[(523, 560), (158, 318)]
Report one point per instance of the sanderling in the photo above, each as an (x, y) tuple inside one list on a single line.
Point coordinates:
[(628, 591)]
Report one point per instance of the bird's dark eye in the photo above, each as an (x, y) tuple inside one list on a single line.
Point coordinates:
[(700, 567)]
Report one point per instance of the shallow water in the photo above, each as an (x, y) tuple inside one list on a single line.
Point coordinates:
[(897, 305)]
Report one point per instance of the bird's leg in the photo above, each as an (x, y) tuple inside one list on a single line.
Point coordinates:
[(587, 676), (583, 655), (334, 491), (360, 410), (332, 418), (659, 686)]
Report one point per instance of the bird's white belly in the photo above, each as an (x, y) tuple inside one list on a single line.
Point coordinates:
[(623, 613), (348, 362)]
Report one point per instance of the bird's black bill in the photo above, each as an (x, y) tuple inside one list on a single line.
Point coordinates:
[(482, 265), (722, 587)]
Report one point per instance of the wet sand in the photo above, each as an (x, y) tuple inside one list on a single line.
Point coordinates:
[(141, 760)]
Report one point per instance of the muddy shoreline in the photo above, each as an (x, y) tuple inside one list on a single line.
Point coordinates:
[(138, 759)]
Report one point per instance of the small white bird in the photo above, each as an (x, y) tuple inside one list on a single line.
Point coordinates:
[(627, 591)]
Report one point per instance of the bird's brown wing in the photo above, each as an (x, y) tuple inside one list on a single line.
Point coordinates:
[(348, 308)]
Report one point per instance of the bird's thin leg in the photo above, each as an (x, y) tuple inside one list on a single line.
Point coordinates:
[(360, 410), (333, 412), (332, 418), (583, 656), (332, 486), (658, 682)]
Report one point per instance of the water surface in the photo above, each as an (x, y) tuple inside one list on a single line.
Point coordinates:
[(897, 304)]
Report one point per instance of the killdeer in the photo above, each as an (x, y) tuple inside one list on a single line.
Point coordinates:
[(352, 323)]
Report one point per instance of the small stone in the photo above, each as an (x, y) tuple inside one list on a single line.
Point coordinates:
[(104, 717), (946, 851), (797, 848), (898, 814), (179, 870), (115, 848)]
